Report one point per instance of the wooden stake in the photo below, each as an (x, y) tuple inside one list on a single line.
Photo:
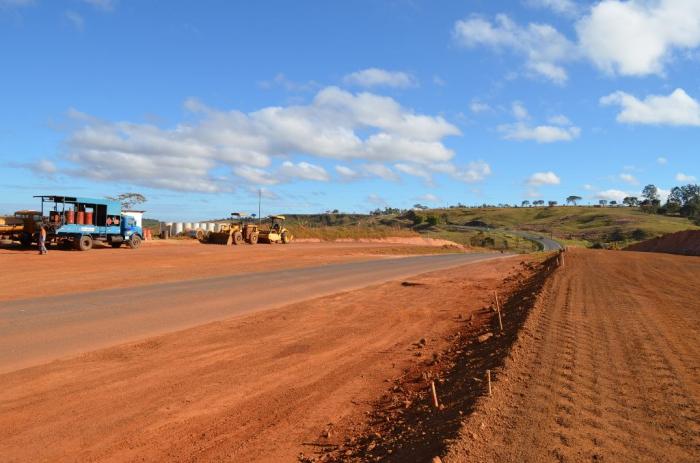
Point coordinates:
[(498, 309), (435, 400), (488, 379)]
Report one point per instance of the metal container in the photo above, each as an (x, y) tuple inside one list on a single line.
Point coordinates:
[(178, 228)]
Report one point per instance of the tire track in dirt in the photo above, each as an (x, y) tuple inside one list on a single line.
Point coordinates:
[(605, 369)]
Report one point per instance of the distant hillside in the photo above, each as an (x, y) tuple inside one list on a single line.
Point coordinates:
[(686, 243)]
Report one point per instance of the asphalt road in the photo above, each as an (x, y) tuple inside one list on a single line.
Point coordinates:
[(547, 244), (34, 331)]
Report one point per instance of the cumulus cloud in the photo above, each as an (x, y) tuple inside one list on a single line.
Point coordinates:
[(629, 178), (303, 171), (661, 161), (540, 133), (375, 77), (632, 38), (519, 111), (346, 173), (612, 195), (681, 177), (638, 37), (332, 126), (559, 120), (381, 171), (542, 46), (563, 7), (478, 107), (543, 178), (415, 171), (678, 108)]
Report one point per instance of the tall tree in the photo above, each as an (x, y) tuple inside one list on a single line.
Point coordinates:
[(630, 201), (651, 193), (603, 202), (552, 203), (573, 199), (525, 203), (129, 200)]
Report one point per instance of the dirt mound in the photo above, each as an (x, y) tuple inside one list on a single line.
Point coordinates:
[(685, 242)]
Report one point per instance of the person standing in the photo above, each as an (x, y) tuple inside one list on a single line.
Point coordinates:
[(42, 240)]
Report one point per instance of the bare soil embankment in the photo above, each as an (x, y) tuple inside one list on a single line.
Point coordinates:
[(685, 243), (262, 387), (607, 368)]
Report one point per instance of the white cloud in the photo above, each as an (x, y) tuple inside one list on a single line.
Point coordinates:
[(681, 177), (612, 195), (541, 133), (543, 178), (661, 161), (559, 120), (280, 80), (428, 198), (304, 171), (347, 173), (629, 178), (375, 77), (415, 171), (638, 37), (479, 107), (678, 108), (475, 171), (255, 175), (588, 187), (331, 126), (375, 199), (519, 111), (104, 5), (564, 7), (381, 171), (75, 19), (543, 47)]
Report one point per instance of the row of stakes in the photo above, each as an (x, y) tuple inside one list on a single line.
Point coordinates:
[(436, 403)]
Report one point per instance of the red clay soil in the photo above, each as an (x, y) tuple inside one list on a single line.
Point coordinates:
[(262, 387), (686, 243), (607, 368), (27, 274)]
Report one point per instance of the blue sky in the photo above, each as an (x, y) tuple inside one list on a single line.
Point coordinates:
[(346, 105)]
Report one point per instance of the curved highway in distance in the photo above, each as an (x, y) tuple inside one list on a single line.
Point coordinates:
[(34, 331), (547, 244)]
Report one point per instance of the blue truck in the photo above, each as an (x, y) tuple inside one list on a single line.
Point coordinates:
[(79, 222)]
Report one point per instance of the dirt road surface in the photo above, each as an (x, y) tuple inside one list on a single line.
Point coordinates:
[(27, 274), (37, 330), (607, 368), (259, 387)]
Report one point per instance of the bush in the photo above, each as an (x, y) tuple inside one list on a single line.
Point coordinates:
[(432, 220)]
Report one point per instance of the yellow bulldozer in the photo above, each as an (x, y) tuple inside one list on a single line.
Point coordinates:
[(276, 233), (237, 231)]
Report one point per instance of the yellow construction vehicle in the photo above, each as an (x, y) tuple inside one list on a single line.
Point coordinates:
[(235, 232), (276, 233), (23, 227)]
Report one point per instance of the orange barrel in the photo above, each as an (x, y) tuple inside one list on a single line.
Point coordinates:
[(88, 218), (80, 218), (70, 217)]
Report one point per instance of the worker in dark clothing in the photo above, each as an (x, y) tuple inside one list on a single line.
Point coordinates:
[(42, 240)]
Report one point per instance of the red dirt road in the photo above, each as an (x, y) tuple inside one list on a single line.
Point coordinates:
[(607, 368), (261, 387), (27, 274)]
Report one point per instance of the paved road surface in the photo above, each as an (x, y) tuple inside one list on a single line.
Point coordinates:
[(34, 331), (547, 244)]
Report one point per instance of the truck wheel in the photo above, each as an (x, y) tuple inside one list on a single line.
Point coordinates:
[(253, 238), (116, 244), (85, 243), (237, 238), (135, 241), (26, 240), (285, 238)]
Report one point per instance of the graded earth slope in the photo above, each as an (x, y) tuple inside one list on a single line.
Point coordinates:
[(685, 242), (607, 368)]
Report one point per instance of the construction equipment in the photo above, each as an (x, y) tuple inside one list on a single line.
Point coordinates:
[(235, 232), (23, 227), (276, 233), (82, 221)]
